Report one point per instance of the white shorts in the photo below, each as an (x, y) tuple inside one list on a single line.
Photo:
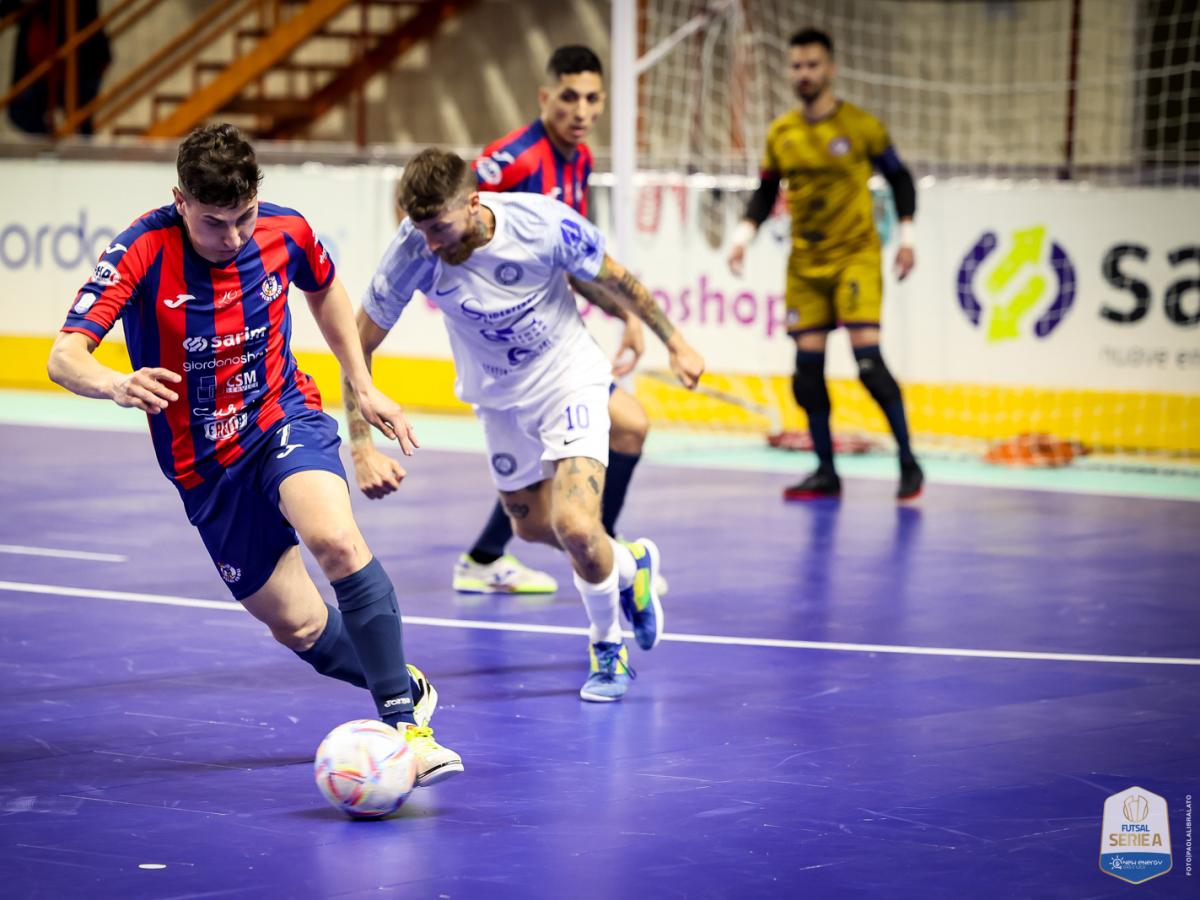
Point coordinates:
[(524, 442)]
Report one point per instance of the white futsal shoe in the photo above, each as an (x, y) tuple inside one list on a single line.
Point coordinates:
[(507, 575)]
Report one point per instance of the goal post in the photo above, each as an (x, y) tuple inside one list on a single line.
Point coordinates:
[(1054, 143)]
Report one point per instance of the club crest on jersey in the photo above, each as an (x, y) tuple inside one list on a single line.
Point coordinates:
[(504, 463), (271, 288), (231, 574), (508, 273), (839, 146)]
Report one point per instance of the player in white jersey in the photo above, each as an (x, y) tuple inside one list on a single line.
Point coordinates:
[(497, 268)]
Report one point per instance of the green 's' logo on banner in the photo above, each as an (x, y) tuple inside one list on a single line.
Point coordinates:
[(1016, 288)]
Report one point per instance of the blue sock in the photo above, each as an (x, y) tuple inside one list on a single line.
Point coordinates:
[(494, 538), (371, 618), (333, 654)]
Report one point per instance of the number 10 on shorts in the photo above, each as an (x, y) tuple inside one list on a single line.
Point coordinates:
[(578, 417)]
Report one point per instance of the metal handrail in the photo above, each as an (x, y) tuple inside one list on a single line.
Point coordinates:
[(213, 18), (73, 41)]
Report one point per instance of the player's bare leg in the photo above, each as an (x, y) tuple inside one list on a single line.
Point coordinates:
[(578, 485), (602, 568), (630, 424), (290, 605)]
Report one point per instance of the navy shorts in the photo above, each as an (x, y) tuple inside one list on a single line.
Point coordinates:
[(238, 515)]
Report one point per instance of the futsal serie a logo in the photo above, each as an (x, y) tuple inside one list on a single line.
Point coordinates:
[(1135, 839), (1003, 284)]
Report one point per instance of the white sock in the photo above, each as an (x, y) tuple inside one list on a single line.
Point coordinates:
[(625, 563), (601, 602)]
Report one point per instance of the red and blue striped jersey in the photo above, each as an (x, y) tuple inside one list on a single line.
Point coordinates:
[(526, 160), (225, 329)]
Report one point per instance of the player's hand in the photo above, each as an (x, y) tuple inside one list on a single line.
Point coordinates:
[(146, 390), (633, 345), (737, 259), (386, 415), (377, 473), (686, 362), (905, 260)]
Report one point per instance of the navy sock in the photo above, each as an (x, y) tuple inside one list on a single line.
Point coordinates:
[(812, 394), (616, 484), (367, 601), (333, 654), (493, 540), (878, 380)]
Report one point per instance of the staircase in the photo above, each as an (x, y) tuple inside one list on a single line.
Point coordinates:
[(273, 67)]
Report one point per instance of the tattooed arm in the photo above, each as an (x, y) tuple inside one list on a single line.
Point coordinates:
[(686, 363), (377, 473), (633, 342)]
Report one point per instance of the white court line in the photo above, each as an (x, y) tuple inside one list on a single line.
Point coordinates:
[(64, 554), (478, 624)]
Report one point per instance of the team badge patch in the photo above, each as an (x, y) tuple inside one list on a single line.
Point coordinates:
[(508, 273), (231, 574), (839, 146), (504, 463), (271, 288)]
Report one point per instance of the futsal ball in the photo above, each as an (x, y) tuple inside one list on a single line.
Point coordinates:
[(365, 768)]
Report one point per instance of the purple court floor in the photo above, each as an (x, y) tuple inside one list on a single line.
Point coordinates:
[(856, 700)]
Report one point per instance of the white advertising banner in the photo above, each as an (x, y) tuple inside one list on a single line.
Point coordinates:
[(1037, 285)]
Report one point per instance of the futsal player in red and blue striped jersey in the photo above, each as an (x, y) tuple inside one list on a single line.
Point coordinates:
[(548, 156), (201, 287)]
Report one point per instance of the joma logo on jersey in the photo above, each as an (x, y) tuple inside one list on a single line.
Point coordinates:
[(225, 428), (240, 382)]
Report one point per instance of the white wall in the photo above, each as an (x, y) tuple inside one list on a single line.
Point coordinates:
[(55, 217)]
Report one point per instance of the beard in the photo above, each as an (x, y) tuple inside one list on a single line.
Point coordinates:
[(810, 91), (458, 254)]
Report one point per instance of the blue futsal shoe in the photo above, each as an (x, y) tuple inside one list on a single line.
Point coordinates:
[(609, 673), (640, 602)]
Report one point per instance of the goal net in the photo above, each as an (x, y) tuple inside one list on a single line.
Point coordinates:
[(1056, 144)]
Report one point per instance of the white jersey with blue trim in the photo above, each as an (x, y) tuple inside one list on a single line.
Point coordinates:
[(515, 330)]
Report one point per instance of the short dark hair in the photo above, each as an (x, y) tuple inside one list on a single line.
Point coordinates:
[(571, 60), (216, 165), (431, 181), (806, 36)]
